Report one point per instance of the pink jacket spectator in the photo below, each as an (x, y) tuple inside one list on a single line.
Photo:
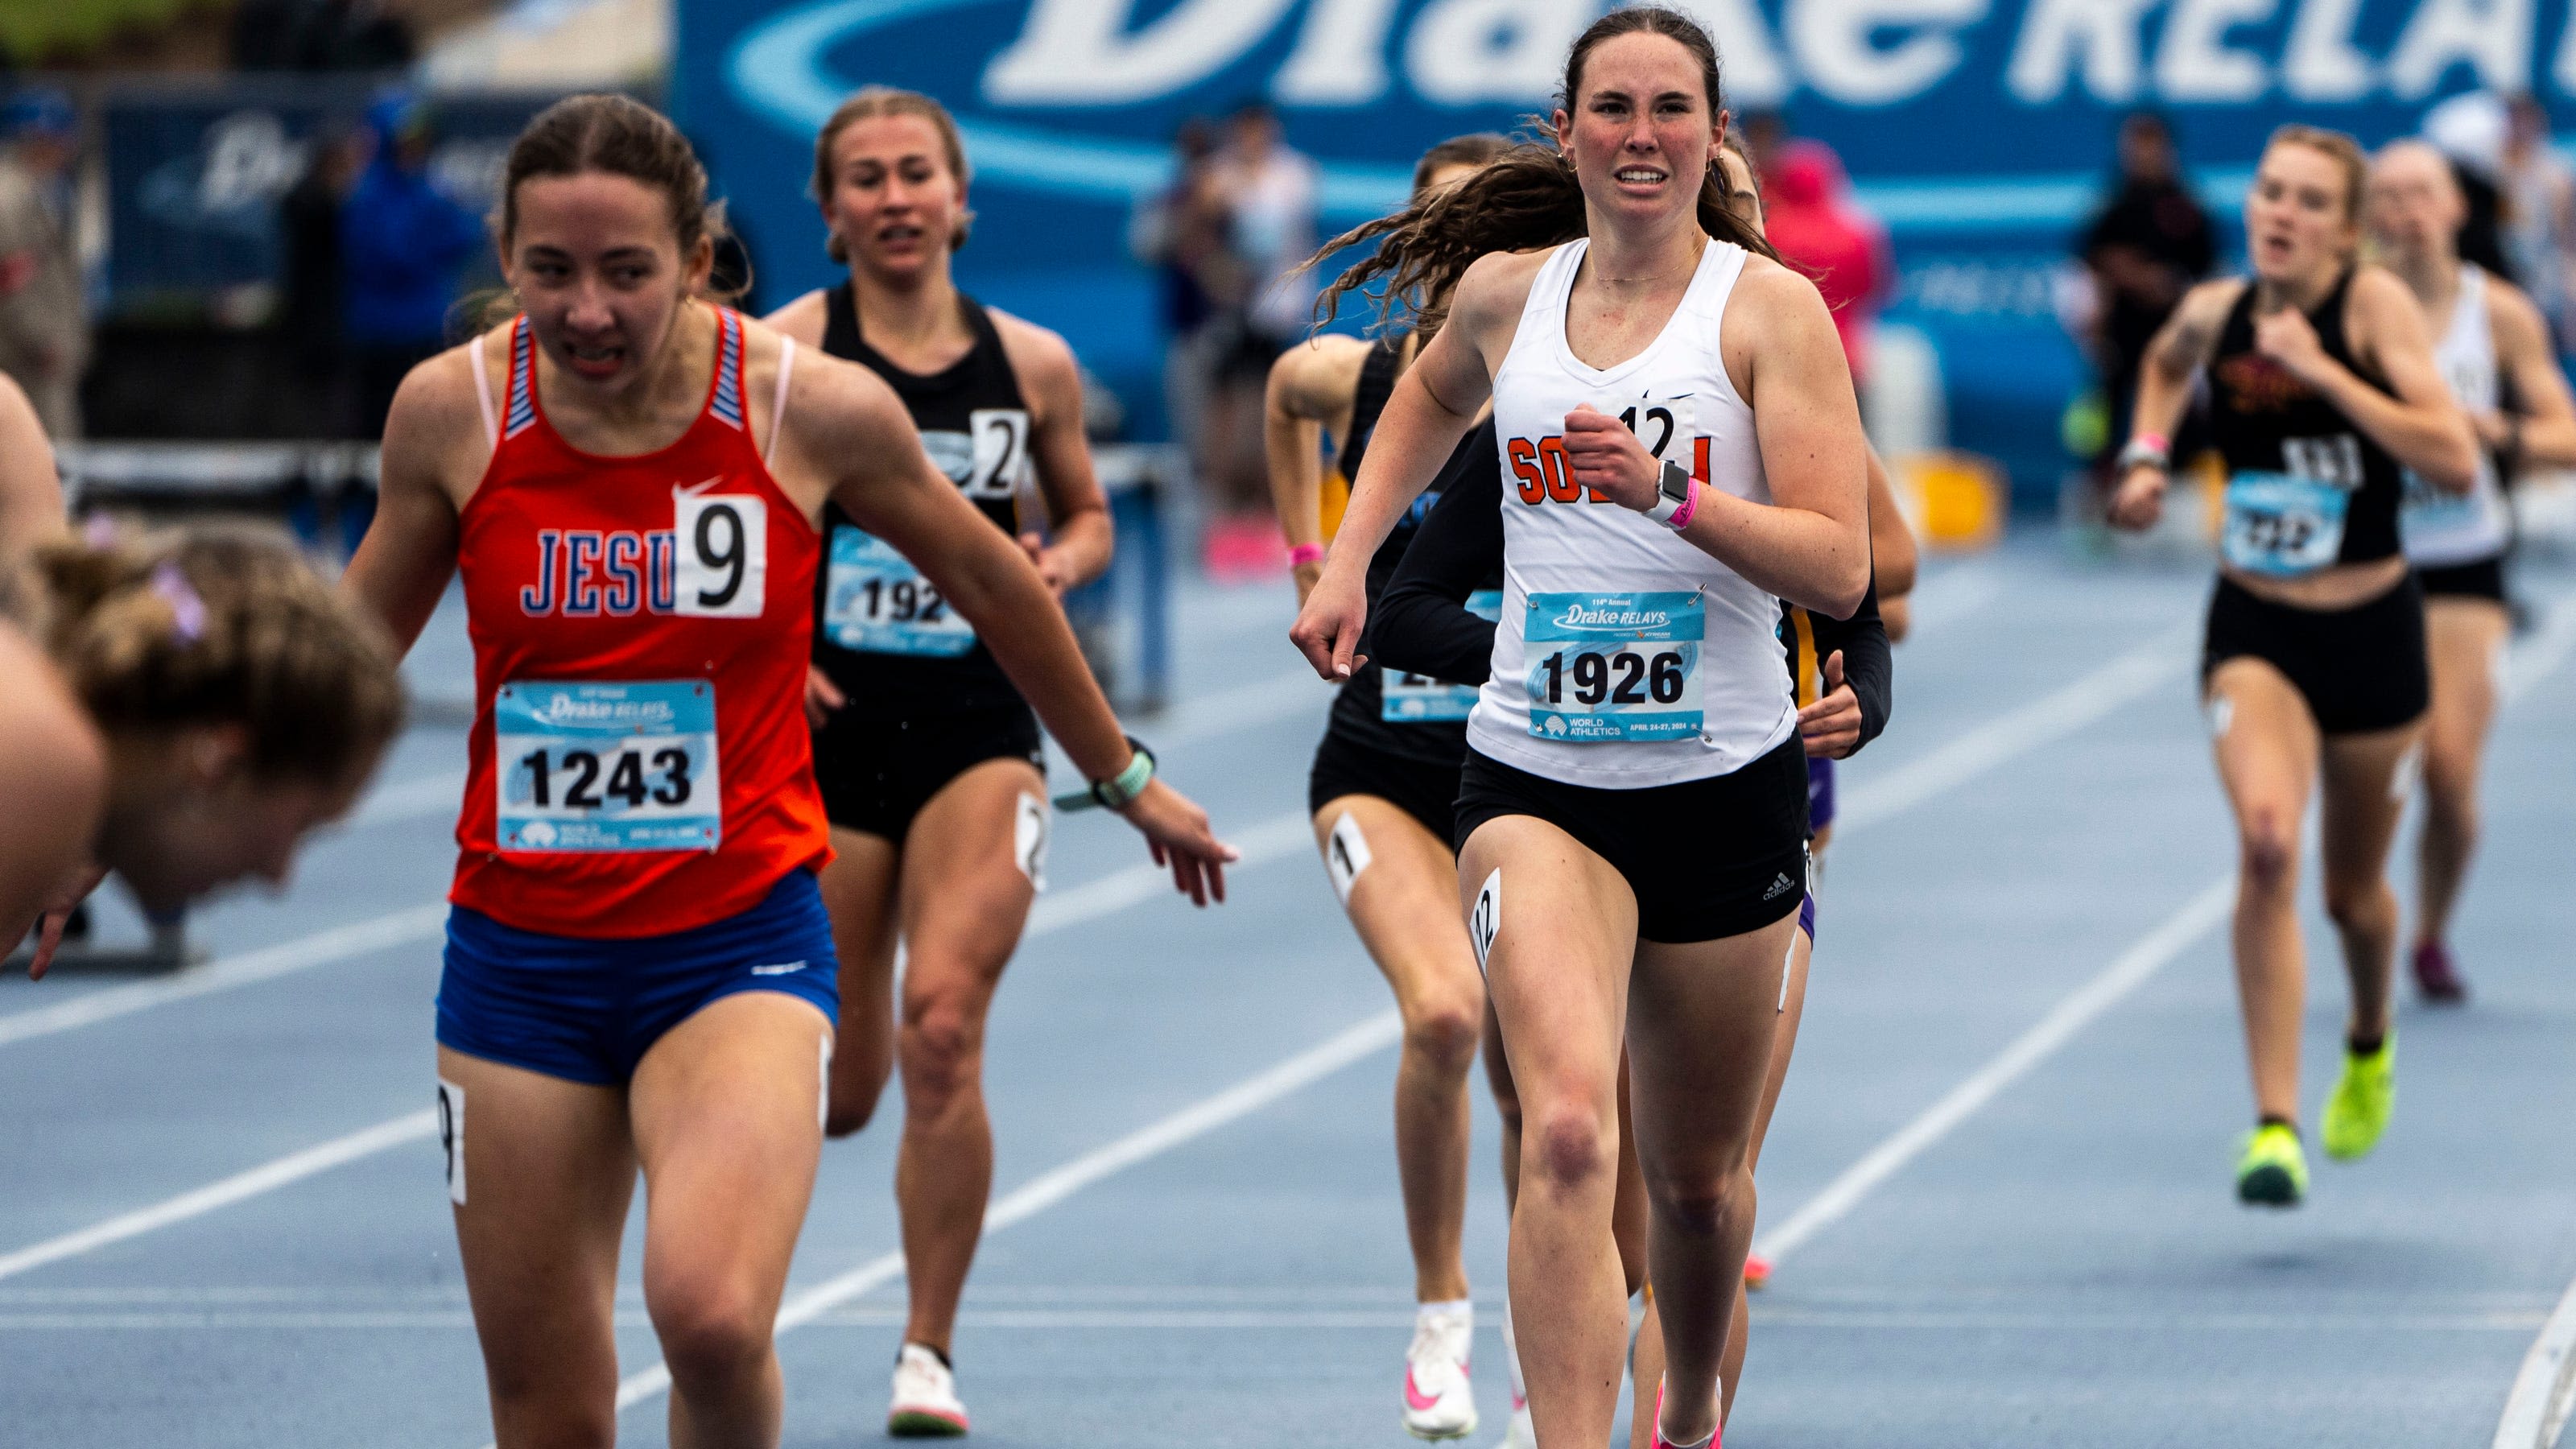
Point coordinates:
[(1817, 228)]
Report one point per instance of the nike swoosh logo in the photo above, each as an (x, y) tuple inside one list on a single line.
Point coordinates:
[(1414, 1398), (783, 968), (694, 489)]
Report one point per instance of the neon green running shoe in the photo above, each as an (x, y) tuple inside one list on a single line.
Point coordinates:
[(2357, 1109), (2273, 1172)]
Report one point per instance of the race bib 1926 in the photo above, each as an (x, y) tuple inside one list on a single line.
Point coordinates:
[(1614, 668)]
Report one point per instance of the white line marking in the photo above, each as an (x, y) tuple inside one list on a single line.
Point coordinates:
[(359, 938), (1271, 839), (2042, 721), (267, 1177), (1353, 1043), (2169, 939), (2544, 1390)]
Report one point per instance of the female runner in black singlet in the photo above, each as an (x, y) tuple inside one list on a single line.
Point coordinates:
[(928, 758), (2323, 390)]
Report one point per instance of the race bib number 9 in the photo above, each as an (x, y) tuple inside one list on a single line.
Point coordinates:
[(1614, 668), (876, 602), (723, 566), (607, 766), (1419, 698)]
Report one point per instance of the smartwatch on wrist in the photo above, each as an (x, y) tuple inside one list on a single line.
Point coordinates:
[(1672, 494), (2145, 452), (1119, 790)]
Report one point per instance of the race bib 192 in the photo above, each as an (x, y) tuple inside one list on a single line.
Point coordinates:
[(1419, 698), (2281, 525), (1613, 668), (876, 602), (607, 766)]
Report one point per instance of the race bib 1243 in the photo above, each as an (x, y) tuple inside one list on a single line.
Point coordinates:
[(607, 766)]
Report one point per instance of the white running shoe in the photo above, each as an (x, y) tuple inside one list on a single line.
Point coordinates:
[(1522, 1434), (1438, 1403), (925, 1397)]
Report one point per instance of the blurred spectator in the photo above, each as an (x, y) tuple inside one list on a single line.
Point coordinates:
[(1765, 132), (404, 246), (1269, 196), (2146, 247), (44, 321), (1817, 226), (2470, 130), (320, 35), (311, 332), (1180, 232), (2540, 217)]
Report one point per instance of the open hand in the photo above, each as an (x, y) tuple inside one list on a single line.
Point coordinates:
[(1328, 624), (1177, 832)]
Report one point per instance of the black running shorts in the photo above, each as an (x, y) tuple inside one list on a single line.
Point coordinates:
[(2360, 669)]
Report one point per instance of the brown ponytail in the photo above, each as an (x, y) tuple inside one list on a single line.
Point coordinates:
[(215, 626), (1527, 199)]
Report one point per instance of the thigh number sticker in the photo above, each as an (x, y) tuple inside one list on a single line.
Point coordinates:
[(1614, 668), (876, 602), (607, 766)]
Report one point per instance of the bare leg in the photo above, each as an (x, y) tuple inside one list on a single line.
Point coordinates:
[(548, 1171), (2466, 639), (858, 891), (727, 1128), (2362, 802), (1402, 902), (1558, 969), (965, 901), (2267, 747)]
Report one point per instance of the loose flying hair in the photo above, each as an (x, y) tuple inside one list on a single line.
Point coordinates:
[(2337, 147), (1526, 198), (621, 136), (215, 625), (868, 104)]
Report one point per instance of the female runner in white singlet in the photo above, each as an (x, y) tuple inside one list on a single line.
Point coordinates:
[(1633, 809)]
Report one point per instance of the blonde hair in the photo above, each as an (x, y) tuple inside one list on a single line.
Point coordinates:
[(2337, 147), (214, 625), (868, 104)]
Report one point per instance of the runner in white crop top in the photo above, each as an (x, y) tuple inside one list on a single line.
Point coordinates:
[(1644, 845)]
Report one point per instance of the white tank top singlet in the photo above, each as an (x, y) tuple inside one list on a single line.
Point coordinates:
[(2442, 528), (1625, 657)]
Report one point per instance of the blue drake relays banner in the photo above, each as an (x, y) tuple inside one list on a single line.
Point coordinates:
[(1979, 129)]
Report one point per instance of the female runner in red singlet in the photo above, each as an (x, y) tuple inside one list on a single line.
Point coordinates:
[(639, 971)]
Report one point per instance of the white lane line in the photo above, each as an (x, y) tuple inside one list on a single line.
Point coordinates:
[(2149, 954), (268, 1177), (2042, 721), (1271, 839), (2544, 1390), (405, 927), (1353, 1043)]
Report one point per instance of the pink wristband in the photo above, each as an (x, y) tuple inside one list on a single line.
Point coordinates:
[(2156, 441), (1300, 555), (1682, 516)]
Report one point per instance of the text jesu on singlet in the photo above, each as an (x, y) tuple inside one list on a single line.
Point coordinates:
[(1607, 667), (874, 600), (628, 765)]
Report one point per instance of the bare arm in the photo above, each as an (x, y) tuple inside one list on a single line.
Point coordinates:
[(849, 427), (1810, 543), (2180, 349), (2422, 425), (31, 495), (1433, 405), (1084, 537), (2543, 430), (432, 435), (1310, 385), (53, 785)]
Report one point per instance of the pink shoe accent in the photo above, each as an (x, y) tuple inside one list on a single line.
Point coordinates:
[(1414, 1398), (1716, 1437)]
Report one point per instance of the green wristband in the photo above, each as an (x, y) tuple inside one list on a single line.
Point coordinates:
[(1119, 790)]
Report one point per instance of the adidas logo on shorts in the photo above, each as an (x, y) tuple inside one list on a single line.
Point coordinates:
[(1779, 887)]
